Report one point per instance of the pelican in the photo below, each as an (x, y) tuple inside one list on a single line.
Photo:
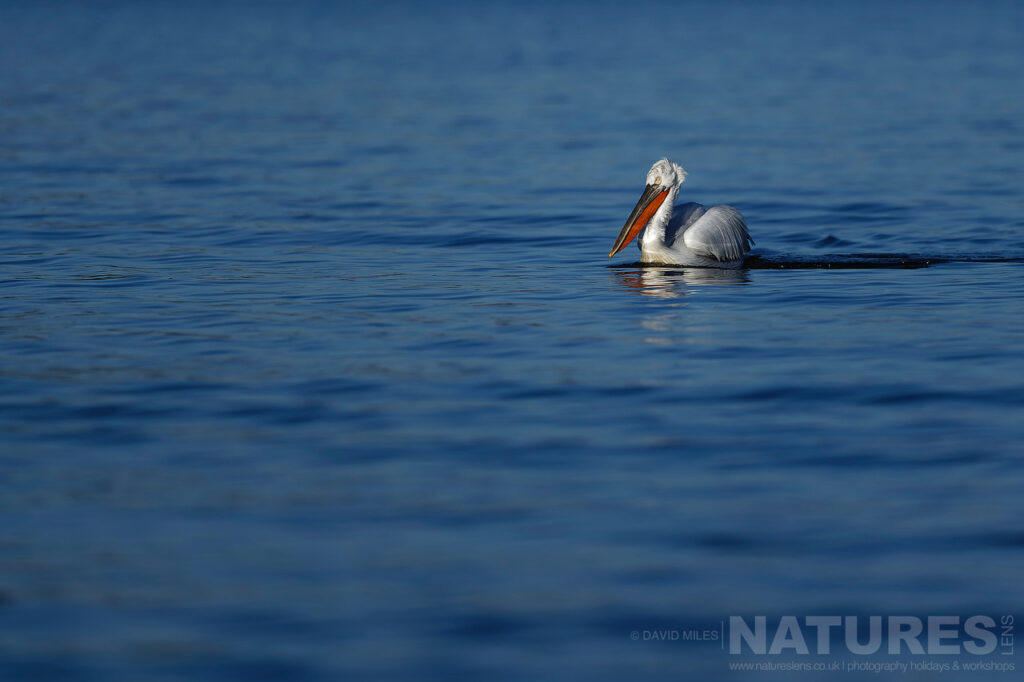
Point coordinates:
[(689, 234)]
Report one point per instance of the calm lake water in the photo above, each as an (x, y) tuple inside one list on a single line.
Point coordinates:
[(314, 366)]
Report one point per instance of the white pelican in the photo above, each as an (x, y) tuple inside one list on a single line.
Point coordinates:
[(696, 236)]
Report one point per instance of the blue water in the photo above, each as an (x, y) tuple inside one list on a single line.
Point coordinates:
[(313, 365)]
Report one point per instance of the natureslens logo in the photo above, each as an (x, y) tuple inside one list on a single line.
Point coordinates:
[(874, 635), (844, 644)]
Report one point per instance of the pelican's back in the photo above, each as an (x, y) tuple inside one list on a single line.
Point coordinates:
[(718, 232)]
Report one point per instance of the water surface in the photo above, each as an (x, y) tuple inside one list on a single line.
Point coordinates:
[(314, 366)]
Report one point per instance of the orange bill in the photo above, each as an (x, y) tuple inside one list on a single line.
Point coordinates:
[(650, 201)]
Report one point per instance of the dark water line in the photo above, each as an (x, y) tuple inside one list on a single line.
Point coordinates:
[(853, 261)]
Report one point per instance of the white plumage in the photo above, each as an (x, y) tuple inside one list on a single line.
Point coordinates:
[(689, 234)]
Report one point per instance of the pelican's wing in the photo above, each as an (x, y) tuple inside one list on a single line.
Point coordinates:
[(719, 233), (683, 215)]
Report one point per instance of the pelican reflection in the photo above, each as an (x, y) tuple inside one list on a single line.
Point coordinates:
[(673, 282)]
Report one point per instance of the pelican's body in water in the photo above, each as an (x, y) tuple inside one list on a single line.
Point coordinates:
[(688, 234)]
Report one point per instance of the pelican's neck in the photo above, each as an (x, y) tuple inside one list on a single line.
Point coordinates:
[(654, 233)]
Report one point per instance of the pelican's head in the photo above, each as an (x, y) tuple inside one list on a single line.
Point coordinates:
[(667, 174), (661, 179)]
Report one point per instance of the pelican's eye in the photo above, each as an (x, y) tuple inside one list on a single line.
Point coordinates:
[(657, 180)]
